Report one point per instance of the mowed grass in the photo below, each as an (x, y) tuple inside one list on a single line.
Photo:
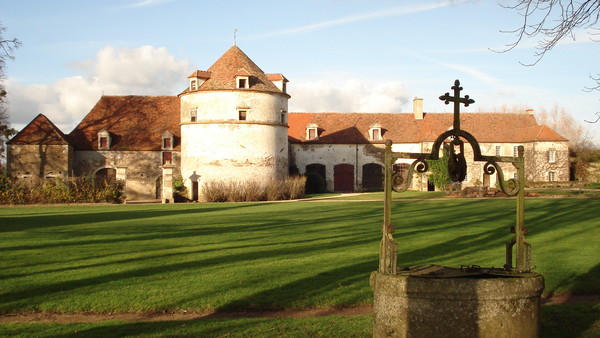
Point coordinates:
[(580, 320), (268, 256)]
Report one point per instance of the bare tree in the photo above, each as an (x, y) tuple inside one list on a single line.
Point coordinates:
[(7, 48), (553, 20)]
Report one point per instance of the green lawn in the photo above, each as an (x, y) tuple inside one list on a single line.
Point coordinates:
[(132, 258), (268, 255)]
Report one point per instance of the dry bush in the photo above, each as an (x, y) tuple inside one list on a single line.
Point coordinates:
[(296, 187), (252, 191)]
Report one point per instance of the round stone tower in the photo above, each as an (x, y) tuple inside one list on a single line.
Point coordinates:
[(233, 124)]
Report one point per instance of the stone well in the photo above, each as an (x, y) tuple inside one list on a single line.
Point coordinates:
[(482, 306)]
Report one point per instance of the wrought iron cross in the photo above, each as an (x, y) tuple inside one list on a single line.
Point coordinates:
[(457, 101)]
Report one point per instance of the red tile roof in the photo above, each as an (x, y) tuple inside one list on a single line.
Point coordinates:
[(225, 69), (350, 128), (134, 123), (40, 131)]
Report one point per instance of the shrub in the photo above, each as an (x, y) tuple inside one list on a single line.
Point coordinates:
[(251, 191), (59, 190)]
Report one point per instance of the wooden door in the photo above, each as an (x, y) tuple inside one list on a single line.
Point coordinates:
[(343, 178)]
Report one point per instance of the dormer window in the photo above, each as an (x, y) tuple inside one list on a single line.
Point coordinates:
[(193, 115), (197, 78), (375, 133), (279, 81), (167, 141), (312, 132), (104, 140), (242, 79)]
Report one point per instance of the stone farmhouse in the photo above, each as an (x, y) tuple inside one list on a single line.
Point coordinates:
[(231, 123)]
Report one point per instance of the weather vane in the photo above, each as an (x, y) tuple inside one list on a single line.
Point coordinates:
[(234, 37)]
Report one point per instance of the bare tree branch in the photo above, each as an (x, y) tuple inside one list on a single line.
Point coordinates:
[(552, 20)]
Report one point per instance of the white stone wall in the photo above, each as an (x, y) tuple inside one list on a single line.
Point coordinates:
[(539, 168), (224, 106), (219, 146), (331, 155), (143, 168), (233, 152)]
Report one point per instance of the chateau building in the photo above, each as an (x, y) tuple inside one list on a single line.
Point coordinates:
[(231, 123)]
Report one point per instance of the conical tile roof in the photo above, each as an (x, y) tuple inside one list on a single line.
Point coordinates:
[(234, 63)]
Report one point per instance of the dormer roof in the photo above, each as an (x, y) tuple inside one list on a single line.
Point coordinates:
[(242, 72), (199, 74), (277, 77)]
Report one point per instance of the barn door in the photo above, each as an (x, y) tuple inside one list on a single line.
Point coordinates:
[(343, 178)]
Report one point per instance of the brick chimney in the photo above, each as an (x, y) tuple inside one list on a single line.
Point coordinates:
[(418, 108), (530, 111)]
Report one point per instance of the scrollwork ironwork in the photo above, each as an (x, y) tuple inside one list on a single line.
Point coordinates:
[(457, 169)]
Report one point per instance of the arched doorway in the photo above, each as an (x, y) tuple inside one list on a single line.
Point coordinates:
[(106, 176), (343, 178), (316, 178), (372, 177)]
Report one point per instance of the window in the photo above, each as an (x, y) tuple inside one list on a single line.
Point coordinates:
[(242, 83), (104, 140), (167, 141), (498, 150), (193, 115), (283, 116), (193, 85), (242, 115), (551, 176), (375, 132), (312, 132), (167, 157), (552, 156), (376, 135), (516, 151)]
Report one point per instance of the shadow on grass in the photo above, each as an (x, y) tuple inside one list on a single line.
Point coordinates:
[(331, 326)]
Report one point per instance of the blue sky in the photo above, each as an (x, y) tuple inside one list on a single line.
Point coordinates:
[(339, 55)]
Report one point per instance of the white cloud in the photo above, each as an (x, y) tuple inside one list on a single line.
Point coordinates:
[(146, 70), (388, 12), (146, 3), (350, 95)]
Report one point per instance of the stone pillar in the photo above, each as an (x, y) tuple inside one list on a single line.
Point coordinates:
[(121, 174), (167, 183), (409, 306)]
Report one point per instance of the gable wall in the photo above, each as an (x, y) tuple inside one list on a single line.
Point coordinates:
[(39, 160)]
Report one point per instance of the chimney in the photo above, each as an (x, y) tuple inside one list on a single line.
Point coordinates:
[(418, 108), (529, 111)]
